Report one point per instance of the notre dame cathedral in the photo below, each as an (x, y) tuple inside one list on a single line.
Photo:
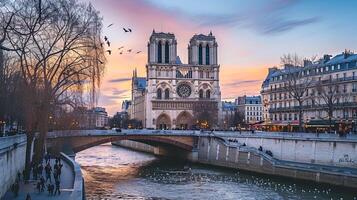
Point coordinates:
[(174, 95)]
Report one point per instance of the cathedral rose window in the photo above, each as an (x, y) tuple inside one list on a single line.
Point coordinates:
[(184, 90)]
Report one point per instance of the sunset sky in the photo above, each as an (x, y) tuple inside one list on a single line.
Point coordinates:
[(252, 35)]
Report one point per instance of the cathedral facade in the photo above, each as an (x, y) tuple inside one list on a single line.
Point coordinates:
[(177, 95)]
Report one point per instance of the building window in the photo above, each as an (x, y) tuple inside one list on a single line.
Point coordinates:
[(208, 94), (159, 93), (167, 52), (167, 93), (200, 62), (207, 54), (201, 94), (159, 52)]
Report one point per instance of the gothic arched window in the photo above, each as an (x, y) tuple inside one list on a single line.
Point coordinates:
[(159, 94), (208, 94), (159, 52), (167, 93), (201, 94), (207, 54), (167, 52), (200, 62)]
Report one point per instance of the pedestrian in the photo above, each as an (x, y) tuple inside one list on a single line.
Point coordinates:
[(16, 188), (38, 186), (48, 170), (52, 187), (49, 188), (42, 181), (40, 169), (57, 187), (18, 176), (28, 197), (55, 175), (59, 171)]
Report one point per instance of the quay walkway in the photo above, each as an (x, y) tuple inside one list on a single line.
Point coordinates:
[(68, 186)]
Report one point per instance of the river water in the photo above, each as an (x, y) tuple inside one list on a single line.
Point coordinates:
[(111, 172)]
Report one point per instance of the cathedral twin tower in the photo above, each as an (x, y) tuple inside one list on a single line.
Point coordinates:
[(177, 95), (202, 49)]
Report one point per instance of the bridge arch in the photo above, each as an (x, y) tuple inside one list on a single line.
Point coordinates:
[(75, 144)]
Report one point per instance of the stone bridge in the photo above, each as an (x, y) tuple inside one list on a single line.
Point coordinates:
[(179, 143)]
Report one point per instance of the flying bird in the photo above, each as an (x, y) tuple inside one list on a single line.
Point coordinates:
[(121, 53), (108, 43), (129, 50), (138, 52), (129, 30), (110, 52), (101, 44), (110, 25), (105, 38), (125, 30), (120, 47)]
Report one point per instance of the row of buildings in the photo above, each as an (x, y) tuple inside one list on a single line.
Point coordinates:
[(320, 95)]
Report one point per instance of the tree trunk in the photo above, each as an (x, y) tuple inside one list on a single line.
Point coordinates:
[(330, 113), (301, 128), (43, 128), (30, 136)]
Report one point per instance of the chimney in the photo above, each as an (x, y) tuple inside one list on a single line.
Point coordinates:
[(326, 58), (272, 69), (347, 53)]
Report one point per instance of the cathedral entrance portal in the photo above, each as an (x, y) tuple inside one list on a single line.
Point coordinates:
[(184, 121), (163, 122)]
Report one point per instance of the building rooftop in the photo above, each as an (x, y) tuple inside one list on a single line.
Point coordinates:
[(339, 60), (228, 106), (161, 35), (208, 37), (248, 100)]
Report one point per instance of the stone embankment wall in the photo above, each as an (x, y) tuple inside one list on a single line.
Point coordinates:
[(12, 160), (341, 152), (214, 151)]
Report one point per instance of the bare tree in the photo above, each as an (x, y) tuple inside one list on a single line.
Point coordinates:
[(330, 95), (297, 83), (57, 44)]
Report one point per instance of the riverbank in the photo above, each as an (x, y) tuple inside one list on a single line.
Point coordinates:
[(216, 152), (128, 174)]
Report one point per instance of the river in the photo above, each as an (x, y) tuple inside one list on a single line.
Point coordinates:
[(111, 172)]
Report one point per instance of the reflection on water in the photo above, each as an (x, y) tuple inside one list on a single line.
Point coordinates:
[(112, 172)]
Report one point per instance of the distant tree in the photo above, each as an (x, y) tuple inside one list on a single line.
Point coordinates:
[(331, 96), (297, 83), (119, 120), (238, 119), (205, 114)]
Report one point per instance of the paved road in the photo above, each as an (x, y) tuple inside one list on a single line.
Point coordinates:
[(66, 187)]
